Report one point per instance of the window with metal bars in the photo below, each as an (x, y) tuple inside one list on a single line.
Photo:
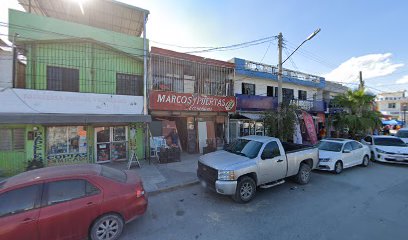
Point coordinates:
[(62, 79), (12, 139), (302, 95), (127, 84)]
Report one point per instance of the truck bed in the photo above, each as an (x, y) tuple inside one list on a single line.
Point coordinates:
[(293, 147)]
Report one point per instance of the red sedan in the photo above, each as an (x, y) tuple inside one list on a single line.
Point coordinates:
[(70, 202)]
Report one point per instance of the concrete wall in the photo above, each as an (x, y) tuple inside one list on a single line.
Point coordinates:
[(6, 69), (34, 27), (261, 86)]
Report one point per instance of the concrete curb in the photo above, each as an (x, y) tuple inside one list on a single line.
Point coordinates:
[(173, 188)]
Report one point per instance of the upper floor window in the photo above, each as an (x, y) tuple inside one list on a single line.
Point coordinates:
[(248, 89), (391, 105), (302, 95), (62, 79), (127, 84)]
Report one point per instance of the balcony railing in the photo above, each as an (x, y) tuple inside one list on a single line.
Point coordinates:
[(261, 67)]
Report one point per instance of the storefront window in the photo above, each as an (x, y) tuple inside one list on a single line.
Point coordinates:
[(111, 143), (66, 140)]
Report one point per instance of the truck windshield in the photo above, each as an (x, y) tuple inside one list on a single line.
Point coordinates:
[(330, 146), (244, 147)]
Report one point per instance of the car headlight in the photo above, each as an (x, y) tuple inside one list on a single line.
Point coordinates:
[(226, 175), (324, 159), (380, 151)]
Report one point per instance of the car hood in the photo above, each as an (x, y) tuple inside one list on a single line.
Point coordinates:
[(393, 149), (329, 154), (223, 160)]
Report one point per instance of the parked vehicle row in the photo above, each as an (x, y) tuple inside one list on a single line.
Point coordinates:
[(253, 162)]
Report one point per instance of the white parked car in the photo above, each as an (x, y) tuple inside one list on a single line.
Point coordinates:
[(403, 134), (335, 154), (387, 148)]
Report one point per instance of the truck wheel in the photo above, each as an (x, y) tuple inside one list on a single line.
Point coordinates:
[(365, 161), (338, 167), (303, 176), (246, 190)]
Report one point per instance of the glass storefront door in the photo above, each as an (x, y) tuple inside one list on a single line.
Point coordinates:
[(111, 143)]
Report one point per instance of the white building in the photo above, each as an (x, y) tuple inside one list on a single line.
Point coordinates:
[(392, 104), (6, 65)]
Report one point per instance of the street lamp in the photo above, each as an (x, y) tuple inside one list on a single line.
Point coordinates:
[(280, 43)]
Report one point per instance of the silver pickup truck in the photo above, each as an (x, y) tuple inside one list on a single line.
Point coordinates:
[(255, 161)]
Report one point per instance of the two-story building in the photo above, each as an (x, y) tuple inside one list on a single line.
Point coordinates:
[(192, 95), (393, 104), (256, 89), (83, 95)]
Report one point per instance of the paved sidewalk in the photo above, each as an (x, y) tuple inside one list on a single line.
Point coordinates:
[(165, 177)]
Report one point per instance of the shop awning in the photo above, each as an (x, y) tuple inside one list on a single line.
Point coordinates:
[(253, 116), (31, 118)]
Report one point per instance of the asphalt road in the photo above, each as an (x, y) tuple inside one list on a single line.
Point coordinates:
[(360, 203)]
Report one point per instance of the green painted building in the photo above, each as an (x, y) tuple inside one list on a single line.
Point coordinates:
[(82, 98)]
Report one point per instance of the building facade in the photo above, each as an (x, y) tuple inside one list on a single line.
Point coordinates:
[(192, 95), (82, 99), (393, 104), (256, 89)]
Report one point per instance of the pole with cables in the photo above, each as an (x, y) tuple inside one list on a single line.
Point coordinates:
[(280, 43)]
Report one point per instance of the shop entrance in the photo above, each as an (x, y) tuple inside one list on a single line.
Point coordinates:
[(111, 143)]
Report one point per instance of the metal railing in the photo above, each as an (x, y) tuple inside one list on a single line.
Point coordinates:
[(261, 67), (185, 76)]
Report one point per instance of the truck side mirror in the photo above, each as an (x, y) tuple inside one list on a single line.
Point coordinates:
[(266, 155), (346, 151)]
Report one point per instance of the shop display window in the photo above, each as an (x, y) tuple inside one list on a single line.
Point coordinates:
[(111, 143), (66, 140)]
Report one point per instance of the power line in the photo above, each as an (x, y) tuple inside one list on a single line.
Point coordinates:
[(237, 46)]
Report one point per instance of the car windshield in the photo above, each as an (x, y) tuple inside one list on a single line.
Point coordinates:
[(245, 147), (389, 142), (402, 133), (330, 146)]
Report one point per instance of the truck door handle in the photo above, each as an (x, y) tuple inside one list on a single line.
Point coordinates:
[(280, 160)]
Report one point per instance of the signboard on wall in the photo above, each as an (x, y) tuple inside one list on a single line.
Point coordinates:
[(159, 100), (256, 103), (42, 101)]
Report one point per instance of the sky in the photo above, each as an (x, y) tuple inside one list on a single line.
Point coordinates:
[(366, 35)]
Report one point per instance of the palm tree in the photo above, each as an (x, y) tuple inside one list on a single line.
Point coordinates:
[(359, 116)]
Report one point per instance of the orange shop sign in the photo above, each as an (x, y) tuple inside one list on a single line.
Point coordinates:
[(159, 100)]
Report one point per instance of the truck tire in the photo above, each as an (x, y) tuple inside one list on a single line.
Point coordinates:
[(246, 190), (303, 176)]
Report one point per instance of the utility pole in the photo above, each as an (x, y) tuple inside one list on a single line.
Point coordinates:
[(361, 86), (280, 43)]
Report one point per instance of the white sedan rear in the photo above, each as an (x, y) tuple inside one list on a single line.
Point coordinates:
[(335, 154)]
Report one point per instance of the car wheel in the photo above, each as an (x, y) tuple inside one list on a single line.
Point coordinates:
[(338, 167), (365, 161), (107, 227), (303, 176), (246, 190)]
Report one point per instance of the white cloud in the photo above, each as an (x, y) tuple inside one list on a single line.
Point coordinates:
[(372, 66), (403, 80)]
